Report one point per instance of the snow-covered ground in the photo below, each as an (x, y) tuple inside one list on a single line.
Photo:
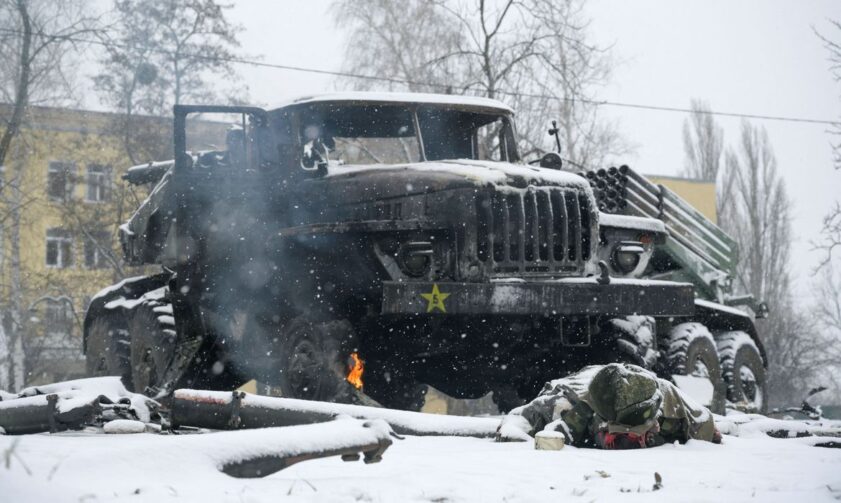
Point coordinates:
[(88, 467)]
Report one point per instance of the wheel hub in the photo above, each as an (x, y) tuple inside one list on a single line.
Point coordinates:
[(305, 369), (700, 369), (749, 387)]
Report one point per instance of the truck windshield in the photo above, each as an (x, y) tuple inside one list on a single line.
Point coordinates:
[(386, 134)]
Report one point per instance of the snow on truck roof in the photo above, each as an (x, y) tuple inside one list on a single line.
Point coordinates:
[(403, 98)]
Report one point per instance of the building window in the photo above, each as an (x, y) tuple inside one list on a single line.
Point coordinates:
[(59, 248), (98, 183), (96, 248), (58, 317), (60, 177)]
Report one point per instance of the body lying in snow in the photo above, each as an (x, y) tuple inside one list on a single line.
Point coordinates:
[(615, 406)]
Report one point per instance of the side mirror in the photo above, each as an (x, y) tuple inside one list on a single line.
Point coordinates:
[(551, 160), (314, 155)]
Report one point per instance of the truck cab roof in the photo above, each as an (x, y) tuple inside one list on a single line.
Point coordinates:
[(474, 103)]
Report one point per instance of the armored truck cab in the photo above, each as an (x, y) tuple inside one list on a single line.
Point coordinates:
[(399, 234)]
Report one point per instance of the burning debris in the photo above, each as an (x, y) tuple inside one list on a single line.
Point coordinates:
[(357, 368)]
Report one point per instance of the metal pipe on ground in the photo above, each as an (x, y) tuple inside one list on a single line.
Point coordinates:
[(237, 410), (251, 454), (41, 413)]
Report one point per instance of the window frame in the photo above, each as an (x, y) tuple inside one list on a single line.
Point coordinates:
[(104, 185), (94, 246), (68, 169), (64, 248)]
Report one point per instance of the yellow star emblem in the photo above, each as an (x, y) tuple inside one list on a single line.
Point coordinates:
[(435, 299)]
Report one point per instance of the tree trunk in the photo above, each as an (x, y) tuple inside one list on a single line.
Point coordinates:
[(22, 91), (16, 332)]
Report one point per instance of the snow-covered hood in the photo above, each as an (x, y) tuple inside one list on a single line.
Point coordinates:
[(390, 180)]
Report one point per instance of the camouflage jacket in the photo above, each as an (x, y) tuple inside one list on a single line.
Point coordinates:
[(564, 406)]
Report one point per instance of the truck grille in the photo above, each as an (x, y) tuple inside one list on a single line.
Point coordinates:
[(538, 229)]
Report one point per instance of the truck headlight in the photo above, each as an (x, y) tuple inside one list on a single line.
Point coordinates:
[(415, 258), (626, 256)]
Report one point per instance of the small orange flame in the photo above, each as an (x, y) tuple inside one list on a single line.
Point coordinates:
[(356, 369)]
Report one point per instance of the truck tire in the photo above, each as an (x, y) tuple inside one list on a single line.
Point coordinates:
[(402, 394), (743, 370), (507, 398), (314, 360), (690, 350), (632, 340), (152, 330), (108, 347)]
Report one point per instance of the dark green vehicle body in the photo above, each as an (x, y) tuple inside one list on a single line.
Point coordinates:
[(446, 259)]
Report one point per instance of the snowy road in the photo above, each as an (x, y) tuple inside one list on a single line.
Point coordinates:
[(78, 467)]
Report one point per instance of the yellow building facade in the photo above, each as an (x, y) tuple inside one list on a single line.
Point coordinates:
[(699, 193), (62, 203)]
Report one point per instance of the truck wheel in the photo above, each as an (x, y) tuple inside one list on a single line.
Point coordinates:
[(507, 398), (690, 350), (744, 373), (403, 395), (632, 338), (314, 360), (152, 330), (108, 347)]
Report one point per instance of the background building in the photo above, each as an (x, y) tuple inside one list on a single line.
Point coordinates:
[(62, 200)]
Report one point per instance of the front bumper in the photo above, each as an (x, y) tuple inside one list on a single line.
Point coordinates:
[(546, 298)]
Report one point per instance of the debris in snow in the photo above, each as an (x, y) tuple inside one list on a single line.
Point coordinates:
[(549, 440), (124, 426), (227, 410), (745, 425), (73, 405), (658, 482), (258, 453)]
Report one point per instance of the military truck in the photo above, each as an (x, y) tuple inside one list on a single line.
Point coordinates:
[(367, 245)]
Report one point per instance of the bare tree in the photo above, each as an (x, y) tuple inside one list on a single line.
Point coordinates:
[(834, 49), (759, 218), (703, 148), (533, 54), (160, 53), (703, 143), (828, 311), (39, 42), (828, 318), (831, 232)]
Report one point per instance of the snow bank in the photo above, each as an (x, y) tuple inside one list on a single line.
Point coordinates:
[(146, 468)]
